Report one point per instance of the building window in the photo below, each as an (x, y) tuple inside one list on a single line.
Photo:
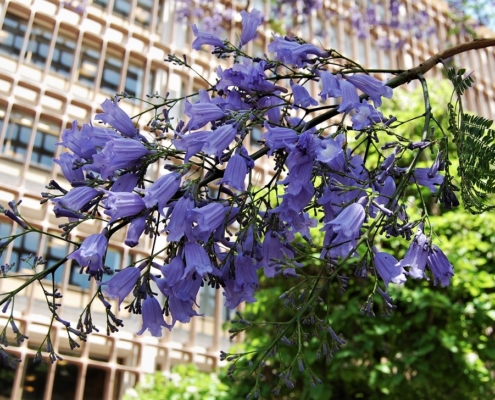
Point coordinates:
[(65, 381), (17, 137), (122, 7), (88, 67), (63, 55), (110, 79), (255, 137), (56, 250), (133, 80), (78, 278), (5, 230), (207, 301), (39, 45), (101, 3), (12, 34), (44, 144), (7, 376), (34, 380), (95, 383), (113, 260), (144, 11), (24, 246)]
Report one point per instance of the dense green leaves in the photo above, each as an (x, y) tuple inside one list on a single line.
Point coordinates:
[(438, 343), (185, 382)]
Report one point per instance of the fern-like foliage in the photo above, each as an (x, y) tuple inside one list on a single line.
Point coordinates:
[(476, 151), (475, 141), (461, 83)]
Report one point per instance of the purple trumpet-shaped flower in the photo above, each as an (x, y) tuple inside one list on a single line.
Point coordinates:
[(422, 177), (235, 173), (437, 164), (122, 204), (197, 260), (250, 23), (90, 254), (440, 266), (116, 117), (330, 85), (349, 96), (417, 255), (182, 310), (302, 98), (202, 112), (291, 52), (161, 191), (232, 102), (181, 288), (207, 38), (387, 267), (177, 227), (121, 284), (386, 191), (345, 229), (125, 183), (371, 86), (71, 173), (273, 251), (365, 115), (272, 104), (328, 151), (71, 204), (244, 285), (206, 219), (192, 143), (279, 138), (247, 76), (136, 229), (118, 153), (85, 143), (220, 139), (152, 317)]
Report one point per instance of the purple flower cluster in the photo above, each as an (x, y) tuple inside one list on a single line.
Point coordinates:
[(223, 240)]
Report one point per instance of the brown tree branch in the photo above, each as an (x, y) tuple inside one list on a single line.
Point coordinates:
[(414, 73)]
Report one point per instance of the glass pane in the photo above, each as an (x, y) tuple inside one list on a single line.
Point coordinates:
[(88, 67), (65, 383), (78, 279), (111, 75), (133, 80), (35, 378), (56, 249), (143, 12), (122, 7), (12, 34), (63, 55), (207, 301), (39, 45), (101, 3), (96, 380), (24, 246), (6, 381), (4, 232), (17, 136), (43, 149), (113, 259)]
